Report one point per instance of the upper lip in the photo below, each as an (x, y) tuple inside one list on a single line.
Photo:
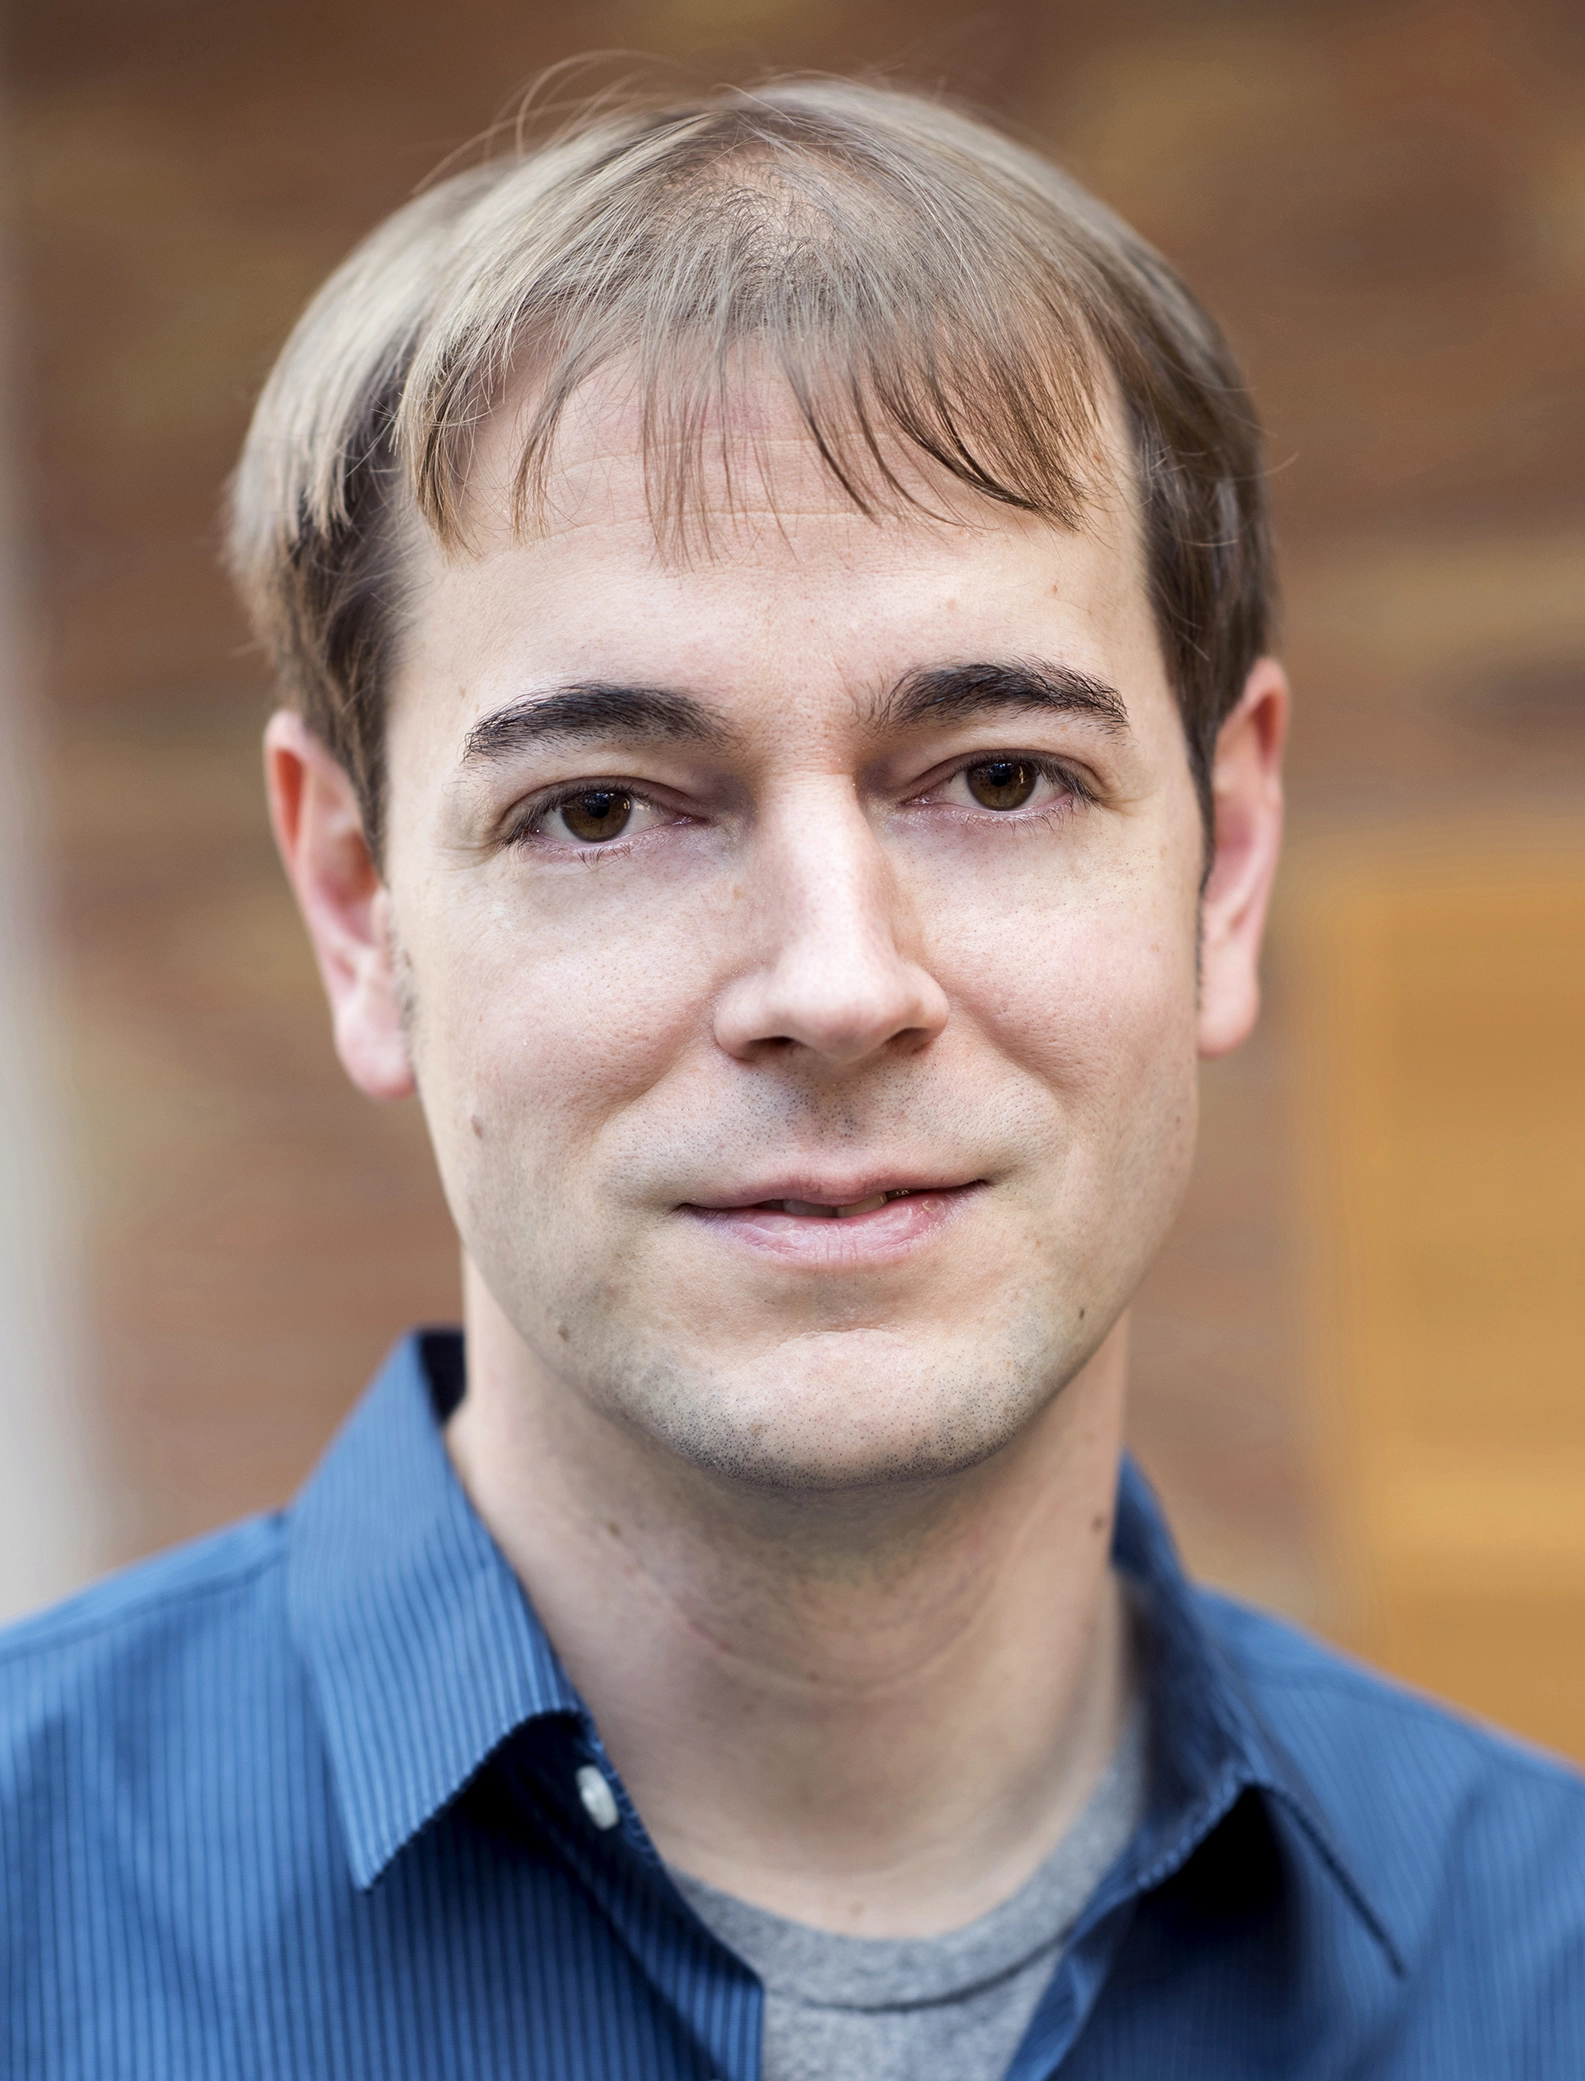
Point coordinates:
[(827, 1191)]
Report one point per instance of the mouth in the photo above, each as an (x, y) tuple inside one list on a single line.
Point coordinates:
[(821, 1210), (808, 1198), (801, 1223)]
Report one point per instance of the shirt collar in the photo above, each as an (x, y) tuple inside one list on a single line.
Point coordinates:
[(425, 1654), (1211, 1740), (420, 1644)]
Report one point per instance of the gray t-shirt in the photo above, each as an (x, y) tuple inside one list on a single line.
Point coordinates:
[(955, 2007)]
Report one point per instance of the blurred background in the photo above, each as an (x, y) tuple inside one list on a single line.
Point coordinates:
[(1361, 1359)]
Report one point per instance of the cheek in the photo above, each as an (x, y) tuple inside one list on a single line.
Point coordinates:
[(1085, 977), (533, 1029), (1097, 1008)]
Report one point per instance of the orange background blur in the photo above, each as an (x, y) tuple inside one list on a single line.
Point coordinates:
[(1360, 1362)]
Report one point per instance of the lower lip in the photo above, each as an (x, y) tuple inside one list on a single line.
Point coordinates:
[(845, 1243)]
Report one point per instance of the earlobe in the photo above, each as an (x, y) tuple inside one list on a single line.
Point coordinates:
[(345, 905), (1247, 799)]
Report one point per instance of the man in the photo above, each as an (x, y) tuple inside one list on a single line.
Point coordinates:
[(780, 754)]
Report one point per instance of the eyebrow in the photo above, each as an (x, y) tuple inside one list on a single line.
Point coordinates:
[(959, 693), (591, 709)]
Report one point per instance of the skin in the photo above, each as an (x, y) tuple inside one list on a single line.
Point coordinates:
[(817, 1511)]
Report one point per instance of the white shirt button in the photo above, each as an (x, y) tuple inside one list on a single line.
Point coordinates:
[(599, 1801)]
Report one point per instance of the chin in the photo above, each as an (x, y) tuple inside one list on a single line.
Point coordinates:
[(860, 1419)]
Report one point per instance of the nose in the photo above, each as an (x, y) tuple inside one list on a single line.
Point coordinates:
[(833, 963)]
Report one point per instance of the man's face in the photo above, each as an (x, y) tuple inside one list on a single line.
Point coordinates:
[(847, 865)]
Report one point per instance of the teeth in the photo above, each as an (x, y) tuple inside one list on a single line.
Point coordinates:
[(858, 1206)]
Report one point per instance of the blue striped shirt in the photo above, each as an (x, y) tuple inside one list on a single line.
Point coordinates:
[(303, 1799)]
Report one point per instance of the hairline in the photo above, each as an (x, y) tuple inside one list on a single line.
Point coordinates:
[(317, 536)]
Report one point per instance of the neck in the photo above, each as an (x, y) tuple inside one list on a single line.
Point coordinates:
[(874, 1710)]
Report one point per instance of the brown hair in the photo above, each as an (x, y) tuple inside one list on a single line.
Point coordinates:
[(918, 281)]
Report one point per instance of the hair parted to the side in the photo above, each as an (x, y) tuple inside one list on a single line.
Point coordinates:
[(924, 288)]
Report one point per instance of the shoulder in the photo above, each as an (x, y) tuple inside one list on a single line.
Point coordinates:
[(1464, 1836), (127, 1608), (165, 1805), (1350, 1720), (98, 1681)]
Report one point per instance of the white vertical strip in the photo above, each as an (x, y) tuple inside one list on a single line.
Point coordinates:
[(47, 1542)]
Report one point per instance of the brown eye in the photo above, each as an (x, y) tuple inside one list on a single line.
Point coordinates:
[(601, 813), (1002, 783)]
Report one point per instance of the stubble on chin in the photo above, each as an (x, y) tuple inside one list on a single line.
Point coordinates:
[(831, 1412)]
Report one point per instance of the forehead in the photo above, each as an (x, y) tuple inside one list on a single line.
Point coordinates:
[(772, 558)]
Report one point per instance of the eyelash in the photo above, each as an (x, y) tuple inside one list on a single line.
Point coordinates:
[(1065, 776), (522, 831)]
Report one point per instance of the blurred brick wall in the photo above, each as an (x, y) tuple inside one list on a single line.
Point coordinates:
[(1386, 205)]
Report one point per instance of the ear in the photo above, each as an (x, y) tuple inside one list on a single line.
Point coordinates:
[(345, 905), (1246, 790)]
